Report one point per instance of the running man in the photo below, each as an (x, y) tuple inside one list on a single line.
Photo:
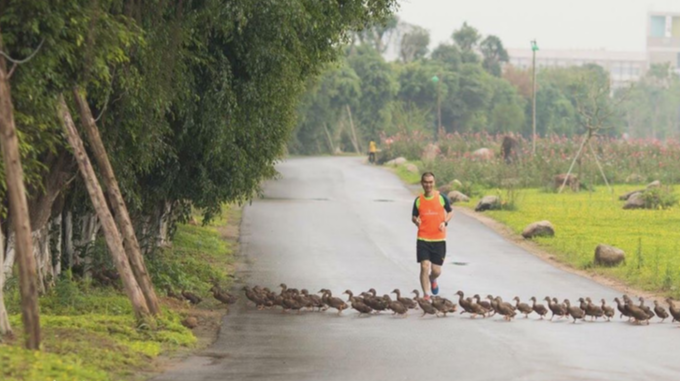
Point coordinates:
[(431, 214), (372, 149)]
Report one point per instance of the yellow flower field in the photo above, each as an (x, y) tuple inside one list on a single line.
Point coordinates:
[(650, 238)]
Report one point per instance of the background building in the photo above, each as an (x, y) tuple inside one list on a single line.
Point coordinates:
[(663, 39)]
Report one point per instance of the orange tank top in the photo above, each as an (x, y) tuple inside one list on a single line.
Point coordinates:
[(432, 214)]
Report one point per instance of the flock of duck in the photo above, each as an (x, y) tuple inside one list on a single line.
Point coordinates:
[(369, 302)]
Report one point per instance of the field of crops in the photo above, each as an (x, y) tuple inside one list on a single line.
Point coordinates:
[(650, 238)]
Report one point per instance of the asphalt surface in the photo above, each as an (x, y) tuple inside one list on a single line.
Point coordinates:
[(340, 224)]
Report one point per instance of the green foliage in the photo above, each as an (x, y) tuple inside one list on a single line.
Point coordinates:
[(21, 364), (660, 198)]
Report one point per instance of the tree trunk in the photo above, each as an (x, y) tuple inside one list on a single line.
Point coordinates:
[(111, 233), (18, 206), (57, 247), (118, 204), (68, 237), (10, 255), (357, 144), (5, 328)]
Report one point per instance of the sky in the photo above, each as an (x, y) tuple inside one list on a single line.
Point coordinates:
[(615, 25)]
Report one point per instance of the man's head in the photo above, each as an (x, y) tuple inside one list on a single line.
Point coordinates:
[(427, 182)]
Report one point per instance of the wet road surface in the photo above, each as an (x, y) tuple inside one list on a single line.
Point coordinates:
[(337, 223)]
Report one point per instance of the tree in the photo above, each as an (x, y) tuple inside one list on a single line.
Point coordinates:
[(414, 44), (467, 38), (494, 55), (448, 55)]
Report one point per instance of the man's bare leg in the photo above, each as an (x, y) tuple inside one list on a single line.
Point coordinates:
[(434, 274), (425, 267)]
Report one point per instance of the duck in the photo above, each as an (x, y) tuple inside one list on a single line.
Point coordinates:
[(583, 305), (483, 303), (609, 312), (223, 296), (638, 314), (538, 308), (314, 299), (523, 307), (560, 309), (674, 311), (623, 308), (292, 301), (574, 311), (427, 307), (648, 311), (443, 305), (592, 310), (358, 305), (350, 295), (505, 309), (334, 302), (492, 303), (660, 311), (409, 303), (191, 297), (397, 307), (376, 303), (466, 304)]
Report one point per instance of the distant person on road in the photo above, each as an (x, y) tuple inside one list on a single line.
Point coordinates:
[(431, 213), (372, 149)]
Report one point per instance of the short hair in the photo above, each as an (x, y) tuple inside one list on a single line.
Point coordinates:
[(426, 174)]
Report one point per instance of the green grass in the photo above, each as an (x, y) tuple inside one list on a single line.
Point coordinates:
[(90, 333), (650, 238)]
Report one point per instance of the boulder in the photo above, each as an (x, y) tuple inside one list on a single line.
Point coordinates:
[(483, 153), (445, 189), (653, 184), (572, 181), (539, 229), (190, 322), (455, 196), (626, 196), (397, 161), (606, 255), (412, 168), (635, 201), (488, 203), (430, 152)]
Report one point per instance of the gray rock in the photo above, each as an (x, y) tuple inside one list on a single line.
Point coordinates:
[(488, 203), (626, 196), (635, 201), (606, 255), (654, 184), (539, 229), (397, 161), (455, 196), (412, 168)]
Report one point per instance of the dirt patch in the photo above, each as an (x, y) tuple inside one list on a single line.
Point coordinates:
[(533, 248)]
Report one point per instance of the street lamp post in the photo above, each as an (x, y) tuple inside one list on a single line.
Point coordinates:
[(534, 48), (438, 127)]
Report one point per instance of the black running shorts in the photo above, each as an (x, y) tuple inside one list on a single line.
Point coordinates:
[(434, 252)]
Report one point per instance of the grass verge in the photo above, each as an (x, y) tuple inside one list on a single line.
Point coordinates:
[(90, 333)]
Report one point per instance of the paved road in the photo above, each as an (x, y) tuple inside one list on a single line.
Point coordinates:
[(337, 223)]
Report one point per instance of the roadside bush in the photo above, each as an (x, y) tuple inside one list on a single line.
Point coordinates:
[(659, 198)]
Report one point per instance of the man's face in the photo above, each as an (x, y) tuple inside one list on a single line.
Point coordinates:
[(428, 184)]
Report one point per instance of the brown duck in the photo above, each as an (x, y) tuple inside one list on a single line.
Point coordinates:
[(358, 305), (608, 311), (592, 310), (638, 314), (558, 309), (674, 311), (505, 309), (538, 308), (487, 305), (334, 302), (191, 297), (648, 311), (465, 304), (408, 302), (660, 311), (223, 296), (315, 300), (427, 307), (396, 306), (574, 311), (623, 308), (523, 307), (443, 305), (493, 304)]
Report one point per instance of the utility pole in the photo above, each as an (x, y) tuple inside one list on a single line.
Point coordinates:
[(438, 127), (534, 48)]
